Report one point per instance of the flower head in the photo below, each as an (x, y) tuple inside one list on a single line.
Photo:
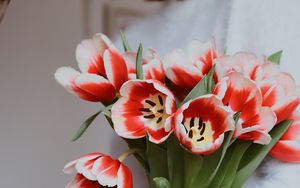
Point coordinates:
[(185, 70), (98, 170), (144, 107), (288, 147), (243, 96), (152, 65), (200, 124), (103, 71)]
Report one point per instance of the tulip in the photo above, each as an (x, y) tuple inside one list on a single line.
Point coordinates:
[(200, 124), (186, 69), (103, 71), (243, 96), (287, 149), (98, 170), (144, 108), (152, 65)]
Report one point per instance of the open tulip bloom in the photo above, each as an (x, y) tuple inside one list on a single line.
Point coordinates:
[(192, 118)]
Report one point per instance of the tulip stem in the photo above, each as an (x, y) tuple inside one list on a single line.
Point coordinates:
[(129, 152)]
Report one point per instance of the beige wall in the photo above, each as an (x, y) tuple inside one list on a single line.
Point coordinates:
[(37, 116)]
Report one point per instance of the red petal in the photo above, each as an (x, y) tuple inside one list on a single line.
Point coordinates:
[(96, 86), (125, 116), (89, 59), (180, 71), (287, 151), (124, 177), (106, 170), (81, 182), (116, 69)]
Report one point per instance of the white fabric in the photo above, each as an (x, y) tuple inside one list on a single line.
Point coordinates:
[(260, 26)]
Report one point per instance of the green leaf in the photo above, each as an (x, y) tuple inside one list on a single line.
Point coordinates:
[(175, 155), (256, 153), (275, 58), (203, 87), (192, 167), (161, 182), (84, 126), (125, 42), (157, 159), (231, 164), (212, 162), (139, 68)]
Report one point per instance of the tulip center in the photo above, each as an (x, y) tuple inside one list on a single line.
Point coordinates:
[(154, 109), (200, 132)]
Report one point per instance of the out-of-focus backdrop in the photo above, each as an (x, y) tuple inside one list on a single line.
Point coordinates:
[(37, 116)]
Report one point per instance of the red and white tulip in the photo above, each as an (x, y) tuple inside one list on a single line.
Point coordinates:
[(144, 108), (98, 170), (103, 71), (279, 91), (287, 149), (243, 96), (152, 65), (245, 63), (185, 69), (200, 124)]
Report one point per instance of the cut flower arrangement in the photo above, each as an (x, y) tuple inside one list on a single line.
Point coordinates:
[(195, 118)]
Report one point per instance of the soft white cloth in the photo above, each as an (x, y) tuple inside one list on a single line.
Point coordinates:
[(260, 26)]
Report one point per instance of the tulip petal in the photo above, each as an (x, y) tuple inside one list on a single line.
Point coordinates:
[(245, 63), (70, 167), (202, 54), (106, 170), (89, 59), (97, 86), (81, 182), (65, 76), (102, 42), (85, 164), (115, 67), (125, 115), (180, 71), (124, 177)]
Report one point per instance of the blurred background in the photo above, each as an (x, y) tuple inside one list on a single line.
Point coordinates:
[(38, 117)]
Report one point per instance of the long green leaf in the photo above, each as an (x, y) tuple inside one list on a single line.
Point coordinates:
[(192, 167), (175, 155), (212, 162), (233, 163), (161, 182), (276, 57), (256, 153), (84, 126), (125, 42), (204, 86), (139, 68), (157, 158)]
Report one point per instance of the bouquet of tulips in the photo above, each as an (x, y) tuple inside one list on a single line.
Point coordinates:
[(195, 118)]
